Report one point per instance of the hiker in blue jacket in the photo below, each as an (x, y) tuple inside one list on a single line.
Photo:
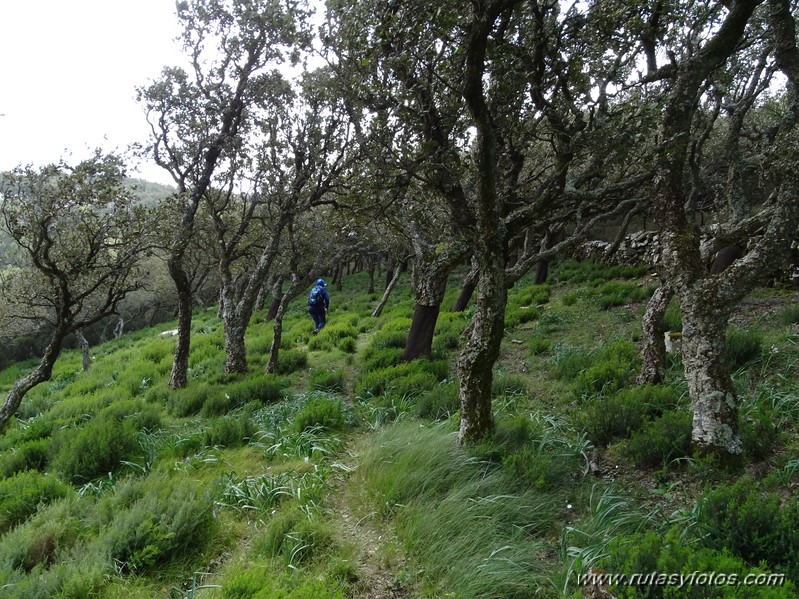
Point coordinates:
[(318, 303)]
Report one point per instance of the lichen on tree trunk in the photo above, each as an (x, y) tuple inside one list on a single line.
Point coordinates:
[(653, 352), (713, 398)]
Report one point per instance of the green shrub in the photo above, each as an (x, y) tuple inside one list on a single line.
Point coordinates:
[(291, 360), (759, 434), (607, 418), (318, 343), (504, 384), (95, 449), (260, 582), (338, 331), (445, 342), (414, 384), (605, 377), (347, 345), (661, 441), (742, 347), (229, 432), (264, 388), (517, 315), (440, 402), (539, 345), (326, 380), (379, 358), (616, 293), (31, 455), (320, 411), (153, 522), (756, 526), (672, 319), (570, 362), (379, 382), (21, 495), (399, 324), (569, 299), (651, 552), (295, 538), (190, 400), (789, 315)]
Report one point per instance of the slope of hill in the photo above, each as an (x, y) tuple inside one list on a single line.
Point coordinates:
[(340, 475)]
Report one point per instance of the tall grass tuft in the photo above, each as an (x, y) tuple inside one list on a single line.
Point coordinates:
[(461, 517)]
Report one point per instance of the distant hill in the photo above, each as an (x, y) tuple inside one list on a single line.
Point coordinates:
[(149, 192)]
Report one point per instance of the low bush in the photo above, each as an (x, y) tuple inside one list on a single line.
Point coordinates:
[(608, 418), (31, 455), (229, 432), (569, 362), (653, 554), (152, 522), (661, 440), (617, 293), (758, 527), (604, 377), (789, 315), (320, 411), (414, 384), (742, 347), (440, 402), (538, 346), (517, 315), (295, 538), (95, 449), (22, 493), (506, 384), (347, 345), (324, 379), (291, 360), (190, 400), (264, 388), (378, 358)]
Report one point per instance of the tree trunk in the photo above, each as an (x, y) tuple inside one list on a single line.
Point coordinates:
[(713, 398), (40, 374), (726, 257), (469, 285), (420, 335), (476, 363), (431, 270), (371, 273), (277, 328), (382, 304), (84, 349), (653, 353), (180, 363), (542, 272), (277, 294)]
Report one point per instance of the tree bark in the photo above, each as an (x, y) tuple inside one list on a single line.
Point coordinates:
[(713, 398), (277, 294), (420, 335), (653, 353), (389, 288), (84, 350), (277, 328), (469, 285), (180, 364), (476, 363), (40, 374), (542, 272)]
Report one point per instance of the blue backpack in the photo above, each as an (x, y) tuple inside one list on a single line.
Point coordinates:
[(317, 298)]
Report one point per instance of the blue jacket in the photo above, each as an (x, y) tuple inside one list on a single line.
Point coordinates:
[(325, 300)]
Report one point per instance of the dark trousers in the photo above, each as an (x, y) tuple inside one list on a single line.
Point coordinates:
[(318, 317)]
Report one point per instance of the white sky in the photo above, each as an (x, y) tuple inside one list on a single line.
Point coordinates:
[(68, 73)]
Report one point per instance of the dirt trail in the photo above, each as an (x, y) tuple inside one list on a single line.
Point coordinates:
[(378, 555)]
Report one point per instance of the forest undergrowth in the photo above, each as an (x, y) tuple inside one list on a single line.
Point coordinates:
[(340, 475)]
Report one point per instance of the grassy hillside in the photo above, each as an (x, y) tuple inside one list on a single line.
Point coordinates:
[(340, 476)]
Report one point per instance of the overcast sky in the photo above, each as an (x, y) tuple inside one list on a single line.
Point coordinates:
[(69, 73)]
